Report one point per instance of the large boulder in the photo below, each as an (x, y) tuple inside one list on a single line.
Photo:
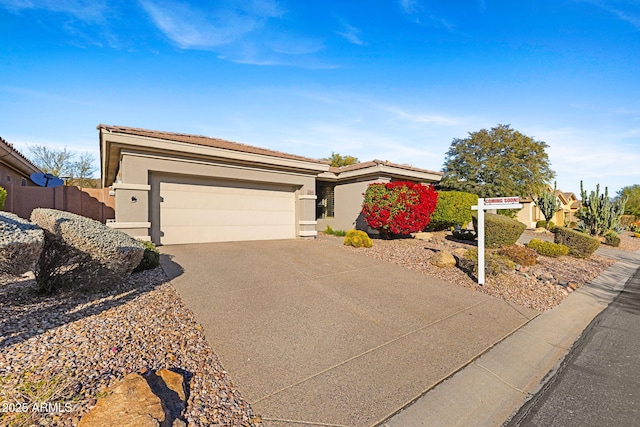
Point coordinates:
[(81, 252), (155, 400), (21, 243)]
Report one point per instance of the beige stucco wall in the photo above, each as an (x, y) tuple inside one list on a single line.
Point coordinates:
[(141, 173), (347, 204)]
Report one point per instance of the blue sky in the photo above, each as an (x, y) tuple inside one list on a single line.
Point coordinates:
[(394, 80)]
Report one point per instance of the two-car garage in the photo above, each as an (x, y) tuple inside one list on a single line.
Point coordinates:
[(174, 188), (197, 210)]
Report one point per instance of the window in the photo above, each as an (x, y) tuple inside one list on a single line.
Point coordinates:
[(8, 178), (326, 203), (24, 182)]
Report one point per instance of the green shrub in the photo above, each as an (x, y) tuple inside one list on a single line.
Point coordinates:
[(357, 239), (3, 197), (550, 225), (494, 263), (612, 238), (636, 235), (499, 230), (549, 249), (541, 224), (333, 232), (519, 254), (453, 209), (580, 245), (150, 257)]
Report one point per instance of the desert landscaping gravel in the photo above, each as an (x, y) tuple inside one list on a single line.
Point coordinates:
[(90, 341), (78, 344), (540, 287)]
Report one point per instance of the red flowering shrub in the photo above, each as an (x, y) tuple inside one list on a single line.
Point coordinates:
[(399, 207)]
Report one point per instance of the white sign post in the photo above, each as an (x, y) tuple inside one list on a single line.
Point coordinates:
[(512, 202)]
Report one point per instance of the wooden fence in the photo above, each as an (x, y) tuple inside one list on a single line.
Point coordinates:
[(93, 203)]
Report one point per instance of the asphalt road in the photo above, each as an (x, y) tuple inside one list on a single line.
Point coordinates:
[(598, 383)]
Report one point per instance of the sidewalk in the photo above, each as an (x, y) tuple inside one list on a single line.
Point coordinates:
[(599, 381), (488, 391)]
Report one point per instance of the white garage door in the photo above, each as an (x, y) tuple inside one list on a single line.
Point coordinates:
[(223, 211)]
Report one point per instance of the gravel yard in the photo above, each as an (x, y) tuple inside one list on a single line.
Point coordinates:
[(75, 345), (520, 287)]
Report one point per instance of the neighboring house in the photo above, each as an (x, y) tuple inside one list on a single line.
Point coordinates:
[(569, 205), (175, 188), (15, 168)]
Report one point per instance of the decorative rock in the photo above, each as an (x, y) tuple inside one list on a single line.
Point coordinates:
[(423, 236), (155, 401), (21, 243), (572, 285), (460, 252), (443, 259), (546, 277)]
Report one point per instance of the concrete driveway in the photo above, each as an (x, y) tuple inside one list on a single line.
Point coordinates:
[(314, 334)]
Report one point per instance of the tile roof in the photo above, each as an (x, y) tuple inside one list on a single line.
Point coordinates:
[(205, 141), (18, 153), (373, 163)]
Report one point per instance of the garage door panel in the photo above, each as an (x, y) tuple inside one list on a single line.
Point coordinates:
[(222, 201), (178, 235), (218, 211), (219, 218)]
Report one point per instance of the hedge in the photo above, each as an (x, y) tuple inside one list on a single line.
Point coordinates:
[(549, 249), (499, 230), (580, 245), (453, 209)]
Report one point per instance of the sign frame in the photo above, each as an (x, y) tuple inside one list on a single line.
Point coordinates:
[(494, 203)]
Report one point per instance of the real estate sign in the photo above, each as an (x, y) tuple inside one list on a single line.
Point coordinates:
[(490, 203)]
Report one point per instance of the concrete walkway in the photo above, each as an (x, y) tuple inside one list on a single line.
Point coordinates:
[(599, 381), (491, 389), (313, 334)]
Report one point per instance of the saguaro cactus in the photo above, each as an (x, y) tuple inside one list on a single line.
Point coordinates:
[(598, 214)]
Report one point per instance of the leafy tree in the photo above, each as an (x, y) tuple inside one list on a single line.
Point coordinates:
[(497, 162), (63, 163), (548, 203), (632, 194), (338, 161)]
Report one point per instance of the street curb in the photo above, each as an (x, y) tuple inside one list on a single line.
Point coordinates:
[(491, 389)]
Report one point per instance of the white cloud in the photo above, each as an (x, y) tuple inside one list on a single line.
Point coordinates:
[(620, 9), (88, 11), (192, 28), (351, 34), (579, 155), (409, 6), (419, 118)]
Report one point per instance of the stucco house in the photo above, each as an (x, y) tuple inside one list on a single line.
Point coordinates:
[(174, 188), (15, 168), (569, 205)]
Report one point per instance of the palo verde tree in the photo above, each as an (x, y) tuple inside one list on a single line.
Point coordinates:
[(497, 162), (547, 202)]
